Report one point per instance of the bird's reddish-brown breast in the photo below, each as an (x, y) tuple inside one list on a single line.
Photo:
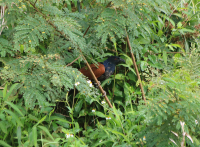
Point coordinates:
[(98, 70)]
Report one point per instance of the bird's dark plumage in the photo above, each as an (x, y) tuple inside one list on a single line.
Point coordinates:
[(104, 70)]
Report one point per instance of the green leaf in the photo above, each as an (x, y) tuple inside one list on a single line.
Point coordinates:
[(159, 121), (187, 30), (118, 92), (4, 144), (100, 114), (118, 120), (131, 69), (19, 135), (34, 133), (120, 76), (78, 106), (4, 92), (165, 57), (3, 126), (143, 40), (10, 91), (83, 113), (41, 120), (132, 76), (14, 107), (15, 117), (33, 118), (116, 132), (152, 58), (59, 119), (179, 25), (169, 80), (143, 65), (107, 81), (187, 48), (46, 131), (160, 33), (128, 60)]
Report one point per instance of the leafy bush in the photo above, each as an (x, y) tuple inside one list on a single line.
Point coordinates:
[(40, 38)]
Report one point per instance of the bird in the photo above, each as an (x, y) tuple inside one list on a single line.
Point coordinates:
[(104, 69)]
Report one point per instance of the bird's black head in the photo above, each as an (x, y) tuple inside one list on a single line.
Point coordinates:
[(115, 59)]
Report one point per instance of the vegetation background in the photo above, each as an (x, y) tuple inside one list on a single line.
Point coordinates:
[(43, 43)]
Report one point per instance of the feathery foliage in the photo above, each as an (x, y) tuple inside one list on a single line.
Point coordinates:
[(41, 37)]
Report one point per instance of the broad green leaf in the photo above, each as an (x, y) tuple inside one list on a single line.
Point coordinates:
[(170, 20), (15, 107), (34, 133), (33, 118), (187, 30), (77, 128), (19, 135), (171, 48), (169, 80), (10, 91), (118, 119), (165, 57), (3, 126), (100, 114), (186, 46), (159, 121), (78, 106), (160, 33), (120, 76), (143, 40), (129, 68), (4, 144), (161, 21), (128, 60), (118, 92), (179, 25), (176, 45), (15, 117), (4, 92), (107, 81), (119, 103), (59, 119), (83, 113), (132, 76), (46, 131), (152, 58), (143, 65), (116, 132)]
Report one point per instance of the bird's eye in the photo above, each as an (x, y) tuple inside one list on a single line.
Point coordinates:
[(115, 58)]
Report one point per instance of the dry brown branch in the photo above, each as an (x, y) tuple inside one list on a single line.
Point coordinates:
[(136, 69)]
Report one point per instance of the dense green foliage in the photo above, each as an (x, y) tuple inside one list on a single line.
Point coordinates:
[(40, 37)]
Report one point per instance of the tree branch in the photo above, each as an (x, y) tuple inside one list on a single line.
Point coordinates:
[(136, 69)]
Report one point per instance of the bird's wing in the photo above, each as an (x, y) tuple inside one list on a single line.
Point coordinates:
[(109, 70), (98, 71)]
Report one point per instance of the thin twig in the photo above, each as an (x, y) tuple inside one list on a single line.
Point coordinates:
[(35, 2), (95, 79), (73, 61), (136, 69), (86, 31)]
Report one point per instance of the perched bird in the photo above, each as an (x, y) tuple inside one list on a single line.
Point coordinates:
[(104, 70)]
